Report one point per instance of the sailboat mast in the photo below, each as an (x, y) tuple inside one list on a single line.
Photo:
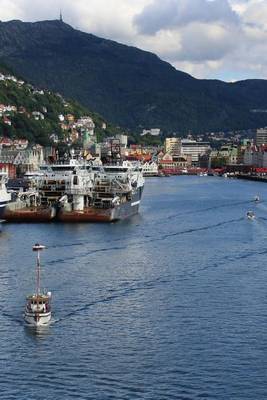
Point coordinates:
[(38, 247), (38, 273)]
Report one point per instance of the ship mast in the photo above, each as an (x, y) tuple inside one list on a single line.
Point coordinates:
[(38, 247)]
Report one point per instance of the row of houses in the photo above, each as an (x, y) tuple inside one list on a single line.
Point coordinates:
[(256, 156), (15, 161), (12, 78)]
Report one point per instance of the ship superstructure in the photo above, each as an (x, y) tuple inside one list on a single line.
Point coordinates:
[(115, 194)]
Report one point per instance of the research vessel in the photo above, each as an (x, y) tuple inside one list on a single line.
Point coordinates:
[(115, 194), (80, 191)]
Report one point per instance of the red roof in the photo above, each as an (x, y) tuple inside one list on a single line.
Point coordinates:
[(6, 140), (261, 170)]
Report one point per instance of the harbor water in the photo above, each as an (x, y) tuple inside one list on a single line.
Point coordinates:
[(171, 304)]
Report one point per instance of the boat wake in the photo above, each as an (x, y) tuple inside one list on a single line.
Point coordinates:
[(202, 210), (203, 228), (116, 294), (13, 318), (138, 243)]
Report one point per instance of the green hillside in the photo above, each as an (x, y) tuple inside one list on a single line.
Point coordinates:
[(25, 99)]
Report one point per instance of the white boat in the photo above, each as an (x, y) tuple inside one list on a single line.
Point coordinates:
[(5, 197), (257, 199), (38, 307), (250, 215)]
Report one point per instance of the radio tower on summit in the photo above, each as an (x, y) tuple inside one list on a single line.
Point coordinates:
[(60, 16)]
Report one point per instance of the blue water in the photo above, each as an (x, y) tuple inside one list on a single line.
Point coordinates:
[(171, 304)]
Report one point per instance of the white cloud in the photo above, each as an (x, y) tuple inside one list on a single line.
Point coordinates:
[(207, 38), (174, 13), (206, 42)]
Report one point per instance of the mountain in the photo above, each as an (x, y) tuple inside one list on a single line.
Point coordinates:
[(130, 87)]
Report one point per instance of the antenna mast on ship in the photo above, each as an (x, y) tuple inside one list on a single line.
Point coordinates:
[(38, 247)]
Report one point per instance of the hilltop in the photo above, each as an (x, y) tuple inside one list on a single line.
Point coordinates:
[(129, 87)]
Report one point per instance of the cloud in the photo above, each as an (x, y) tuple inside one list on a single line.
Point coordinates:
[(176, 13), (206, 42), (224, 39)]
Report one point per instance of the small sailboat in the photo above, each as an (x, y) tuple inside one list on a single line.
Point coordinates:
[(38, 307), (250, 215), (257, 199)]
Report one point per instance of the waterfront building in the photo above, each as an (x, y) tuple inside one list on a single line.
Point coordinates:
[(261, 136), (256, 156), (7, 158), (123, 140), (173, 164), (150, 169), (230, 153), (172, 146), (248, 155), (194, 149), (15, 161), (260, 157)]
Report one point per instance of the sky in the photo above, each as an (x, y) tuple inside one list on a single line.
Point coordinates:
[(210, 39)]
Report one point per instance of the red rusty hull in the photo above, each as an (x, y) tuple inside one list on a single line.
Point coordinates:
[(31, 214), (87, 215)]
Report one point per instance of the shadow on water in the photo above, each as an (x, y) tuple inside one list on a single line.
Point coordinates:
[(40, 332), (138, 243)]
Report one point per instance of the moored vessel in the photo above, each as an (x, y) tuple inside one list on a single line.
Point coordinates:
[(78, 191), (39, 203), (27, 207), (38, 307), (5, 197), (115, 195)]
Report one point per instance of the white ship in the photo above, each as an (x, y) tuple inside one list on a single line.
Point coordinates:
[(115, 193)]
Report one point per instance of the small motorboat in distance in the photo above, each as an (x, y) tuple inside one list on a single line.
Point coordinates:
[(257, 199), (38, 308), (250, 215)]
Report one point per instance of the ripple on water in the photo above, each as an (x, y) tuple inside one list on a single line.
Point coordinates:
[(169, 305)]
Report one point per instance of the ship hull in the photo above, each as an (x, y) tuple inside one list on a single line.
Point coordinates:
[(93, 214), (2, 208), (29, 214), (37, 319)]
